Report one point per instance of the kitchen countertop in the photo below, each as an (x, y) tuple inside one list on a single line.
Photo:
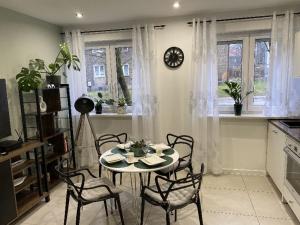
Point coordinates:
[(292, 132)]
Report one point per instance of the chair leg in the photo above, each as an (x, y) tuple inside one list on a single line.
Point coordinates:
[(78, 213), (120, 209), (175, 215), (142, 211), (175, 174), (105, 205), (191, 169), (100, 170), (114, 178), (168, 218), (199, 211), (67, 207), (121, 178), (149, 178)]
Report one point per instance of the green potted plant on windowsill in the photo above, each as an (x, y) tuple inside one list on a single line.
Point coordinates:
[(234, 90), (98, 104), (121, 108), (30, 78), (110, 103)]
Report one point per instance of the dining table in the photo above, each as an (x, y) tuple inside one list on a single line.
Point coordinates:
[(137, 169)]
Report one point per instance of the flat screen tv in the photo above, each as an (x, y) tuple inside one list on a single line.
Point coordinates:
[(4, 112)]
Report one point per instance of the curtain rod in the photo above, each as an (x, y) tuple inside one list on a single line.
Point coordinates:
[(117, 29), (244, 18)]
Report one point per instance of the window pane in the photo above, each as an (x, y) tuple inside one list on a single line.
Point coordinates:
[(261, 70), (96, 76), (229, 67), (124, 75)]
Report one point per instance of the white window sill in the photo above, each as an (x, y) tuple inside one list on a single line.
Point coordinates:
[(110, 115)]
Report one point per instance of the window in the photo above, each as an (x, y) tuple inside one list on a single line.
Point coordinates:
[(108, 69), (126, 70), (99, 70), (245, 60)]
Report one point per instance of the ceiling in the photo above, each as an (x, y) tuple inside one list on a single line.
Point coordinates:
[(62, 12)]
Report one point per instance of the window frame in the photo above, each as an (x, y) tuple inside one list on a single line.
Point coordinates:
[(126, 75), (248, 54), (100, 75)]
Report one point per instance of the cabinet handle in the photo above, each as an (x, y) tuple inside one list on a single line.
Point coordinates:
[(275, 131)]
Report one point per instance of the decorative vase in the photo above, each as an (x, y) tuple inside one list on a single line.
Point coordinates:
[(138, 152), (43, 105), (53, 80), (121, 109), (238, 109), (98, 108)]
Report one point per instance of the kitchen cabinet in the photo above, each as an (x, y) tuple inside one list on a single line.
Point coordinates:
[(275, 155)]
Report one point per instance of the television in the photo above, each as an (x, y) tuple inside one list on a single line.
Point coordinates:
[(4, 112)]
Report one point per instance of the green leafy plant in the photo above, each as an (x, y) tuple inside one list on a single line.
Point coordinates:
[(64, 57), (138, 144), (121, 102), (234, 90), (100, 100), (28, 79), (109, 101)]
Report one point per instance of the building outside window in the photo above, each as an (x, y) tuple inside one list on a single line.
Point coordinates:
[(99, 70)]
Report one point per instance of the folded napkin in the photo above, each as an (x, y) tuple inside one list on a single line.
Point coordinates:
[(113, 158), (160, 147), (126, 145), (153, 160)]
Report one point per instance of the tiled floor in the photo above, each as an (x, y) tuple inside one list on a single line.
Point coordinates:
[(226, 200)]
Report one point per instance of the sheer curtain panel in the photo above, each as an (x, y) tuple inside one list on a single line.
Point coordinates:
[(144, 88), (85, 148), (204, 105)]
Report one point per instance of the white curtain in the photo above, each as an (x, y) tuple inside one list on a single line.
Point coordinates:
[(85, 148), (144, 88), (204, 106), (279, 87)]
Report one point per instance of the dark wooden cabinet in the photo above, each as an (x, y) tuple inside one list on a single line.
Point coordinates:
[(15, 199)]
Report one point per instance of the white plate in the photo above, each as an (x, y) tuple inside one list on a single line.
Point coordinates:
[(153, 160), (123, 146), (161, 147), (113, 158), (131, 161)]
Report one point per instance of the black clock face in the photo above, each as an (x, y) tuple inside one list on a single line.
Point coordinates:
[(173, 57)]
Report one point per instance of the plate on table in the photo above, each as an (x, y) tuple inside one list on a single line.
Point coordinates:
[(160, 147), (152, 160), (113, 158), (124, 146)]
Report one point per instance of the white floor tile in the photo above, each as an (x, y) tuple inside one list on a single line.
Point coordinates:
[(223, 182), (229, 201), (270, 221), (267, 205), (258, 183), (228, 219)]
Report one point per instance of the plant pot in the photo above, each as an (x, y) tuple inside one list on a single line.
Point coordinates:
[(53, 80), (98, 109), (238, 109), (121, 109), (138, 152)]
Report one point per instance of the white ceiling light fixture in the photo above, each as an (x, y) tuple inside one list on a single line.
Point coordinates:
[(79, 15), (176, 5)]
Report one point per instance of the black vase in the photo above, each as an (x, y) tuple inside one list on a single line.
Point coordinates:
[(238, 109), (98, 109), (53, 79)]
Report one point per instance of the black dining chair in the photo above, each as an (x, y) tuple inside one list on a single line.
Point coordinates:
[(105, 140), (186, 144), (173, 195), (86, 191)]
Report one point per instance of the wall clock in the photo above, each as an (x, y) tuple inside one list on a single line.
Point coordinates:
[(173, 57)]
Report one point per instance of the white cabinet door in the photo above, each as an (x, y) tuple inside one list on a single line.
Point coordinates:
[(275, 155)]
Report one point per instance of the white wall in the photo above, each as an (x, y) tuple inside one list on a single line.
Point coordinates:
[(23, 38)]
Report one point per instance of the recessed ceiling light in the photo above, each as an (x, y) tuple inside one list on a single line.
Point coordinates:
[(79, 15), (176, 5)]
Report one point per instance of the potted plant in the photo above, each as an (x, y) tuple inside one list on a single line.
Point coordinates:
[(234, 90), (110, 103), (137, 148), (121, 109), (99, 102), (28, 79), (37, 66)]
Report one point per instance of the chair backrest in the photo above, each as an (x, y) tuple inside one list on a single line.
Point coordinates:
[(182, 140), (108, 139), (191, 181)]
